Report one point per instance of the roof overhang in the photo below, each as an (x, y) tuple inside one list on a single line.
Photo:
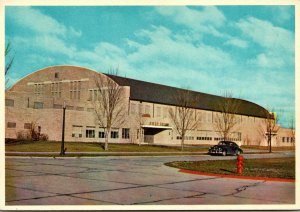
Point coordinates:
[(157, 127)]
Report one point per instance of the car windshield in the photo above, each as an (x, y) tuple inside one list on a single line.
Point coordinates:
[(222, 143)]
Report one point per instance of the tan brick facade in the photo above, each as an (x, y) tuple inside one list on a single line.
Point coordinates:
[(40, 96)]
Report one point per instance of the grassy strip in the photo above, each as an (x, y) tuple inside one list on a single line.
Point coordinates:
[(266, 167), (51, 146), (281, 148)]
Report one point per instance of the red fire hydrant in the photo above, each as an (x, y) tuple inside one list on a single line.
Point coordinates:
[(240, 164)]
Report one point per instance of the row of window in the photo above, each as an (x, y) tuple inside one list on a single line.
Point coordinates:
[(56, 89), (40, 105), (89, 133), (185, 137), (146, 109), (27, 126), (288, 139), (205, 138), (204, 117), (92, 133)]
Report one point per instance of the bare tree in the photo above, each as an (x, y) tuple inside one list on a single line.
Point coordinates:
[(270, 126), (184, 116), (227, 120), (109, 104), (9, 61), (292, 129)]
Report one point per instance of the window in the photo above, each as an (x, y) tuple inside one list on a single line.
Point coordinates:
[(56, 89), (165, 112), (283, 139), (80, 108), (141, 108), (27, 126), (287, 139), (57, 106), (38, 105), (133, 108), (11, 125), (208, 118), (94, 94), (77, 131), (56, 75), (125, 133), (69, 107), (206, 138), (90, 109), (101, 133), (239, 138), (147, 109), (9, 102), (38, 88), (216, 117), (158, 111), (90, 132), (114, 133), (75, 87)]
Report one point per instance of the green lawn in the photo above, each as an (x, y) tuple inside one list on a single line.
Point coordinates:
[(267, 167), (50, 146), (282, 148)]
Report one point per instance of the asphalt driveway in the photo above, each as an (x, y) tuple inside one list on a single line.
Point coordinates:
[(137, 180)]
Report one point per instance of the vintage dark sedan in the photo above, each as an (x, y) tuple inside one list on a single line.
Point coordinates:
[(225, 148)]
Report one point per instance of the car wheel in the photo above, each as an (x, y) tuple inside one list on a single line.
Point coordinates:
[(224, 153)]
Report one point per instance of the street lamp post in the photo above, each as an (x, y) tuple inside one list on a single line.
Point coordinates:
[(62, 149)]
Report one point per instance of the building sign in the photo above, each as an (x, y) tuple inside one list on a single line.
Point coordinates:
[(154, 123)]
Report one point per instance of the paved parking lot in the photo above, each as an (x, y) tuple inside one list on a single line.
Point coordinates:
[(133, 180)]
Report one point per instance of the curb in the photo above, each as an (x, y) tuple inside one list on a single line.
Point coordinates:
[(238, 177)]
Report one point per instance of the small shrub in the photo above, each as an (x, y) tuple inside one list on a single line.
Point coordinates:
[(43, 137), (23, 135)]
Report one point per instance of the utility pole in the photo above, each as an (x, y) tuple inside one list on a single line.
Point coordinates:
[(62, 149), (270, 140)]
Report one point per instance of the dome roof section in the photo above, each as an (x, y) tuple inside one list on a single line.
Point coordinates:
[(52, 74)]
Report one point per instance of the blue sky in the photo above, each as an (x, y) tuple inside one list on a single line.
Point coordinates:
[(248, 50)]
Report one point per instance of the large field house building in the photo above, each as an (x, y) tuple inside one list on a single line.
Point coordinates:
[(39, 98)]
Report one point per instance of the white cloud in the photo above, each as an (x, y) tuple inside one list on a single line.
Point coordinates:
[(277, 44), (268, 61), (33, 19), (163, 59), (40, 59), (54, 45), (46, 43), (103, 57), (30, 18), (163, 47), (73, 32), (267, 35), (206, 20), (237, 43), (282, 14)]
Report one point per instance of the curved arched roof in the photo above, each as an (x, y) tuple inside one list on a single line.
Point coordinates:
[(66, 72), (146, 91), (157, 93)]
